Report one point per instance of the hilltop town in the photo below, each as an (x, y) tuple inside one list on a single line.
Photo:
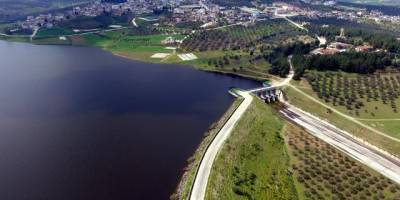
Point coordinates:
[(208, 14)]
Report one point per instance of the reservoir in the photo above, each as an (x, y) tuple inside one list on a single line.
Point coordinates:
[(79, 123)]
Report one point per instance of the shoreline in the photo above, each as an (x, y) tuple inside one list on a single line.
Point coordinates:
[(197, 67), (121, 54), (185, 183), (183, 186)]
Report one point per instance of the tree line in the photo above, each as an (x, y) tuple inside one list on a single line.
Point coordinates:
[(278, 58), (354, 62)]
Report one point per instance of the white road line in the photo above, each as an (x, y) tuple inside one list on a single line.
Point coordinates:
[(198, 190), (380, 161)]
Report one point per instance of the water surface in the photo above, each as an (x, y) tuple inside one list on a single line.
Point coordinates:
[(79, 123)]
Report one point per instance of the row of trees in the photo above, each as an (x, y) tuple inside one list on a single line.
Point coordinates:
[(239, 37), (321, 170), (354, 93), (355, 62)]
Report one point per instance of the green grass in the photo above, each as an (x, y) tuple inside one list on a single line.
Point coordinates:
[(52, 41), (51, 32), (253, 163), (144, 46), (308, 105), (97, 40), (15, 39), (256, 70), (136, 47), (392, 128), (229, 38), (374, 113), (372, 109)]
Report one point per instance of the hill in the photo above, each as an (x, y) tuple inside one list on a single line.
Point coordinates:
[(11, 10)]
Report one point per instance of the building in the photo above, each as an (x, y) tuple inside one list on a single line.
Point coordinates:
[(364, 48), (342, 36)]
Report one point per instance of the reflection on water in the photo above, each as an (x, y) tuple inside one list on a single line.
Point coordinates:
[(79, 123)]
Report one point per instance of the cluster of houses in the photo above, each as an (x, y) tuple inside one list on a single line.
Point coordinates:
[(207, 13), (352, 13), (92, 10), (195, 13), (339, 46)]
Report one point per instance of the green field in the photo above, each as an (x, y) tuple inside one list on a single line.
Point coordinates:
[(14, 38), (53, 32), (298, 99), (377, 94), (267, 158), (253, 163), (140, 47), (52, 41), (325, 173), (360, 96), (391, 127), (260, 34), (150, 43)]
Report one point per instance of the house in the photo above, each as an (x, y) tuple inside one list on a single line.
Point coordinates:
[(340, 46), (325, 51), (170, 40), (364, 48)]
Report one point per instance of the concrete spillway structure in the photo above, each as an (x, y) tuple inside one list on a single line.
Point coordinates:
[(269, 95)]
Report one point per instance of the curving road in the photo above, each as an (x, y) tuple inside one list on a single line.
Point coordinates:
[(198, 190), (200, 182)]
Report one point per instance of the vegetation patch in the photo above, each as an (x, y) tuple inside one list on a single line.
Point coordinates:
[(240, 37), (101, 21), (51, 32), (325, 173), (373, 96), (253, 163), (297, 97)]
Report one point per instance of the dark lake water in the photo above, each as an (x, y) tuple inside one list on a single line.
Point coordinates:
[(79, 123)]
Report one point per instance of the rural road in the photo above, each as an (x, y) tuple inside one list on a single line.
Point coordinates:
[(381, 162), (35, 31), (198, 190), (134, 22), (354, 120), (200, 182)]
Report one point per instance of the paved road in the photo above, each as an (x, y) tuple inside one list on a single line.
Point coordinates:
[(286, 17), (352, 119), (286, 81), (200, 182), (134, 22), (201, 179), (365, 153), (35, 31)]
